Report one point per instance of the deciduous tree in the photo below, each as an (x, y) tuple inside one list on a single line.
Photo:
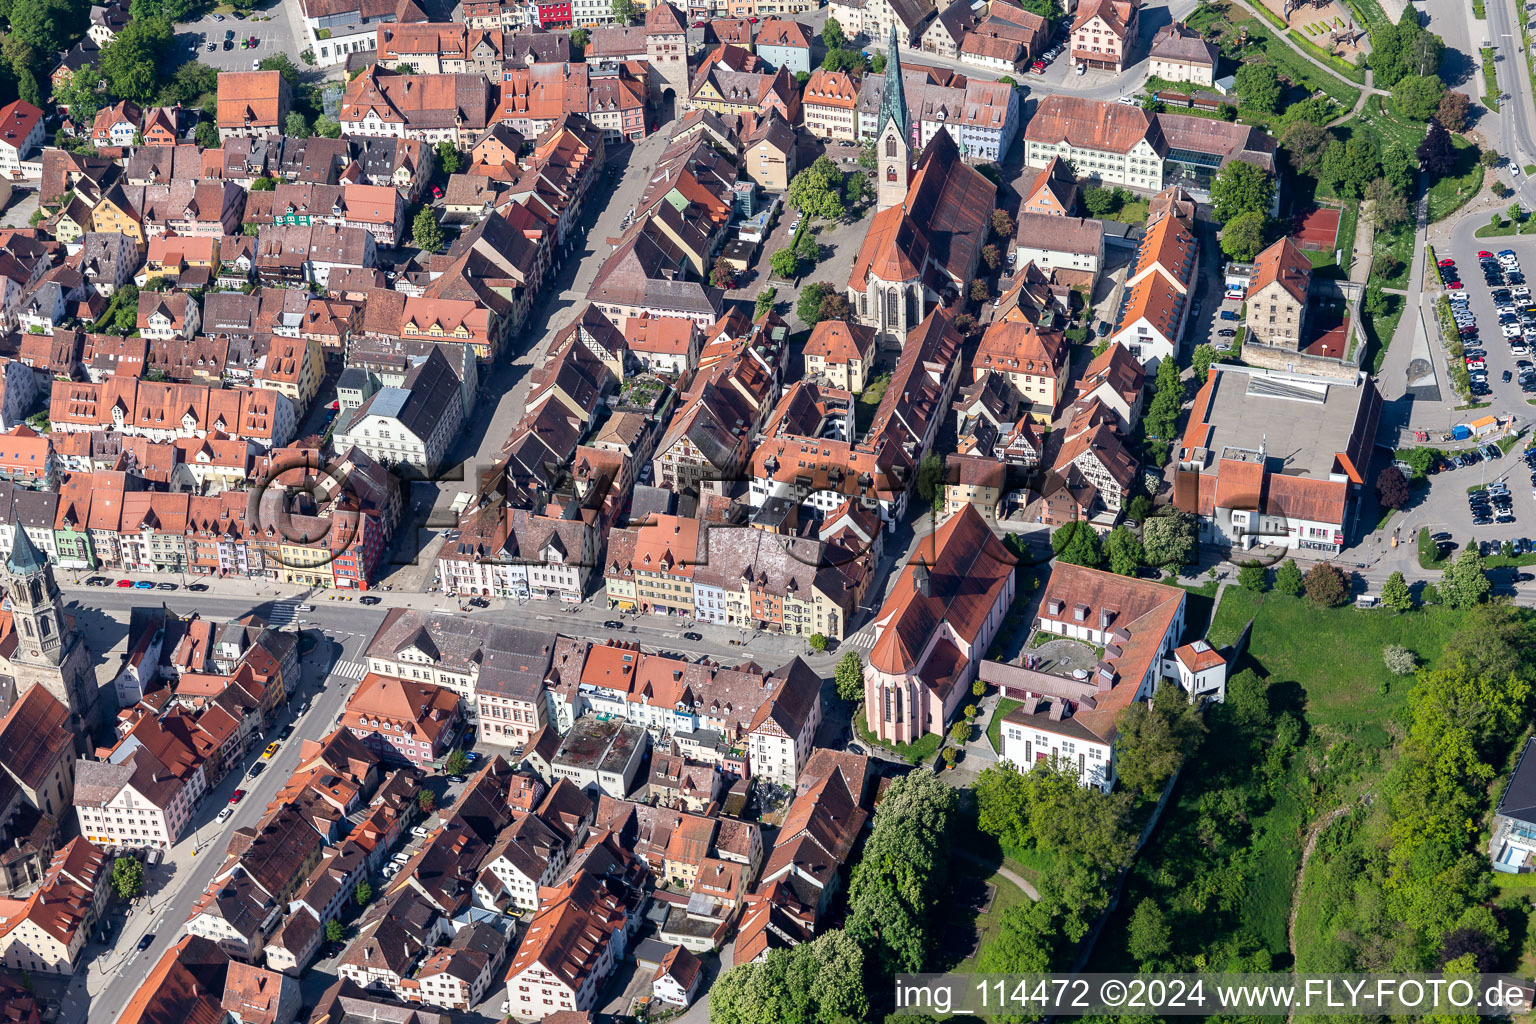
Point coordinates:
[(1465, 582), (1241, 187), (1452, 112), (1418, 96), (1154, 739), (1395, 593), (1326, 585), (128, 877), (1392, 488), (849, 677), (1242, 237), (1201, 360), (1124, 550), (1169, 538), (425, 234), (1259, 87), (1077, 543), (1288, 578), (898, 882)]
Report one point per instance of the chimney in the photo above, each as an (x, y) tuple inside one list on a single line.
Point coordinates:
[(1105, 618)]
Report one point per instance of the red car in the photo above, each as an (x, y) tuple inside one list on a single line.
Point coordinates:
[(125, 583), (1454, 286), (237, 796), (1447, 263), (1485, 255), (437, 192)]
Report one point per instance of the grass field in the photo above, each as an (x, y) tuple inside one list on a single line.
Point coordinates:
[(1369, 12), (1379, 331), (995, 726), (1398, 243), (869, 401), (1490, 95), (1332, 655), (913, 753), (1456, 189), (1277, 848)]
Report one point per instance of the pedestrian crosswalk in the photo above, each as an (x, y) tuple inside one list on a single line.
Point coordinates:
[(350, 669), (282, 613), (864, 639)]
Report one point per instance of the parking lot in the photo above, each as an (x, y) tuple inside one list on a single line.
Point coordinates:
[(271, 29), (1495, 493)]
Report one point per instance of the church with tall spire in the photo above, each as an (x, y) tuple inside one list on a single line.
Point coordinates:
[(893, 134), (39, 644), (931, 221)]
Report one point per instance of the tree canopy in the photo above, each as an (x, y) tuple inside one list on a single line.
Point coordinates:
[(1259, 87), (896, 886)]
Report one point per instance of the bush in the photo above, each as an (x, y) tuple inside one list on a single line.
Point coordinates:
[(1400, 660), (817, 642), (1253, 577)]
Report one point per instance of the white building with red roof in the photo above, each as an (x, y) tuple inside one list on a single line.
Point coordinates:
[(1073, 718), (21, 136)]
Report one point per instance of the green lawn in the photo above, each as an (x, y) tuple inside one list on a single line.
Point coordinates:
[(1398, 243), (1333, 655), (1478, 11), (1130, 213), (1379, 331), (1490, 95), (869, 401), (918, 752), (1277, 851), (1006, 895), (1456, 189), (995, 727), (1369, 12)]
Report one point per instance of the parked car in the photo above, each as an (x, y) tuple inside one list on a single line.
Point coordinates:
[(165, 586), (695, 637), (98, 581), (147, 941), (197, 588), (612, 624), (1229, 314), (368, 599), (1226, 332), (266, 755), (144, 585), (226, 813)]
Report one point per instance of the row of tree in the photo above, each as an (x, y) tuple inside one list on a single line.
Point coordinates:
[(1167, 541)]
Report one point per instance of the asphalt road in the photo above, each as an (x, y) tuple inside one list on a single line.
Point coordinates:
[(1516, 130), (174, 884)]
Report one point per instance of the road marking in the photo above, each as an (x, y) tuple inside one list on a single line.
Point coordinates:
[(865, 640), (350, 669)]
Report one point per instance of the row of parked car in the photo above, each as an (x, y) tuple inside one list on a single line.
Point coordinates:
[(107, 581)]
